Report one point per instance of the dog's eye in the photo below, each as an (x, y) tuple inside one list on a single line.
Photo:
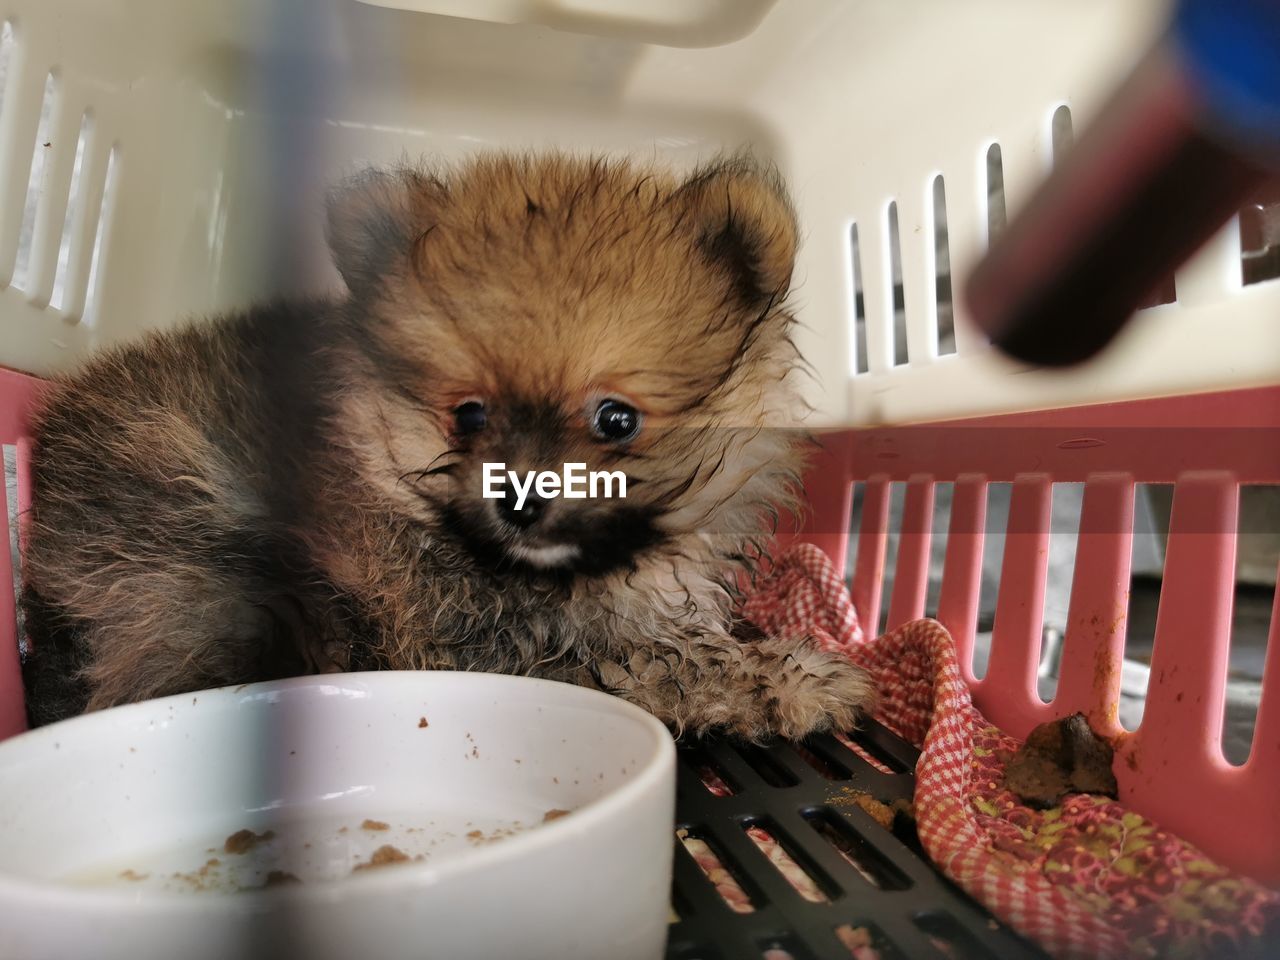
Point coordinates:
[(616, 421), (469, 417)]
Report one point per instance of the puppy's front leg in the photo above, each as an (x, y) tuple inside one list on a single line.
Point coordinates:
[(753, 688)]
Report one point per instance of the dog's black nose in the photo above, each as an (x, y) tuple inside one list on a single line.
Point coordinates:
[(532, 509)]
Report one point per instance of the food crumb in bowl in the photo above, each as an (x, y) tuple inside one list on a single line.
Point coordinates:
[(374, 825), (422, 723), (554, 814), (480, 838), (342, 829), (383, 856), (133, 875), (202, 878), (242, 841)]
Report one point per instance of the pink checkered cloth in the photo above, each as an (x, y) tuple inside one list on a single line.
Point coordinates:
[(1087, 879)]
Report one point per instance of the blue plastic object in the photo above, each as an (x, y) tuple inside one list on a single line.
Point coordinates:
[(1232, 49)]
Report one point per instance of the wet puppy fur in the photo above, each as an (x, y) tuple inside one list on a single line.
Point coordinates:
[(297, 488)]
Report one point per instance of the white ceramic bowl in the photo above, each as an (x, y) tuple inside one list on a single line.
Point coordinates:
[(109, 823)]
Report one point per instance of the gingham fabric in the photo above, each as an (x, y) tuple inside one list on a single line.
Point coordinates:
[(1086, 879)]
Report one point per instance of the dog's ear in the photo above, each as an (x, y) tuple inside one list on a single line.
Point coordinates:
[(745, 225), (376, 220)]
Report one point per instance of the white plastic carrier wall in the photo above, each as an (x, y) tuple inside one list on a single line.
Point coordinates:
[(162, 158)]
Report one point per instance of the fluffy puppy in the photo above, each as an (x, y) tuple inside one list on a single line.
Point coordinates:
[(299, 487)]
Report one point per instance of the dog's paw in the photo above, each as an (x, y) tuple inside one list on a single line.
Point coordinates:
[(811, 690), (754, 690)]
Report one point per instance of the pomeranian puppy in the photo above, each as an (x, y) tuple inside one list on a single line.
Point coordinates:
[(300, 487)]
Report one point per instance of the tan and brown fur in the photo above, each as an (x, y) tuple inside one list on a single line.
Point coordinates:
[(286, 490)]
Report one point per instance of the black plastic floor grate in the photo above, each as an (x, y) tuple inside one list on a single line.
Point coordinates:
[(863, 877)]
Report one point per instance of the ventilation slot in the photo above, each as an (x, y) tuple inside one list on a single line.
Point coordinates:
[(995, 193), (105, 212), (865, 941), (1064, 537), (709, 773), (716, 867), (693, 953), (783, 948), (1152, 506), (998, 498), (942, 495), (79, 198), (824, 765), (1060, 132), (870, 864), (897, 319), (864, 744), (897, 500), (1166, 292), (6, 59), (770, 771), (36, 182), (1260, 237), (858, 342), (949, 938), (10, 497), (860, 751), (1257, 560), (856, 497), (946, 326), (807, 880), (6, 53)]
